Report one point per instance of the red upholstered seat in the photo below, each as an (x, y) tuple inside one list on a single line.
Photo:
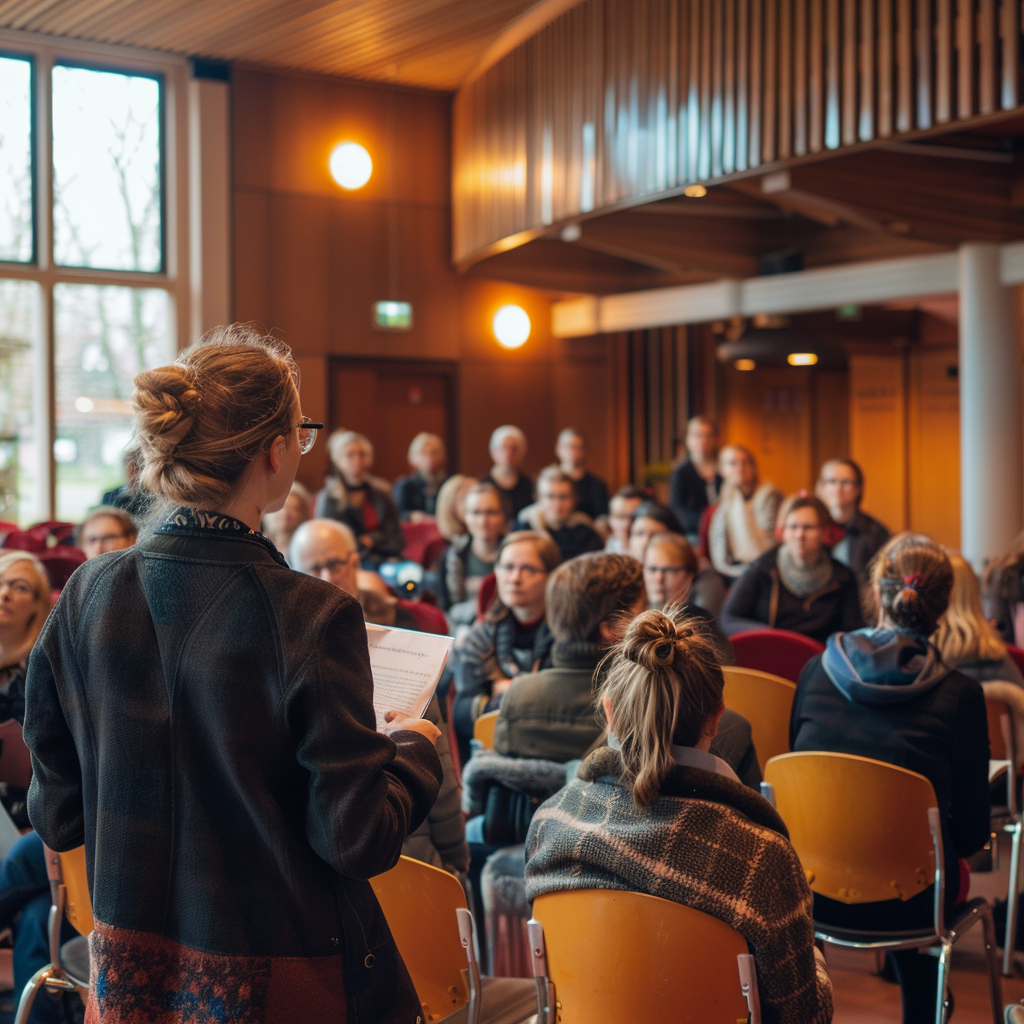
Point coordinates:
[(60, 562), (421, 541), (775, 650), (1018, 656), (429, 618)]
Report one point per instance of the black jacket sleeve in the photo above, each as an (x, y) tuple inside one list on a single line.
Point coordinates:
[(969, 807)]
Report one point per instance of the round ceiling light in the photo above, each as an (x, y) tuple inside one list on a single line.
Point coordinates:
[(511, 326), (350, 165), (745, 364), (802, 358)]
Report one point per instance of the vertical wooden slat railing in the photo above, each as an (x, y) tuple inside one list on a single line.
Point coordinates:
[(626, 100)]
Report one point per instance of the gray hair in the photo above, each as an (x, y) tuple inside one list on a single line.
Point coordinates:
[(343, 438), (303, 531), (501, 433)]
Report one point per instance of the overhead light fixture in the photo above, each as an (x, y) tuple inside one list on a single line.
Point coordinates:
[(571, 233), (745, 364), (695, 191), (802, 358), (350, 165), (511, 326)]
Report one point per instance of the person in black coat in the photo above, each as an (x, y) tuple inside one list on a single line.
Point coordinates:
[(841, 487), (884, 693), (416, 494), (591, 490), (695, 482), (797, 586), (201, 718)]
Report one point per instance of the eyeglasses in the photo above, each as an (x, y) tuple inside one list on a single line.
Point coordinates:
[(834, 482), (307, 434), (332, 565), (663, 570), (103, 538), (529, 571)]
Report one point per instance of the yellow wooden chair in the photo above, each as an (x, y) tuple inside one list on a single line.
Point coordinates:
[(428, 916), (483, 729), (68, 970), (602, 956), (867, 831), (766, 702)]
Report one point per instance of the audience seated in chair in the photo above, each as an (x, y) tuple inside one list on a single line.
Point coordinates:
[(471, 557), (106, 528), (656, 812), (625, 501), (554, 513), (884, 693), (591, 491), (797, 586), (841, 488), (450, 508), (508, 450), (512, 637), (362, 502), (671, 568), (327, 549), (280, 526), (416, 494), (742, 527), (1002, 589), (696, 481)]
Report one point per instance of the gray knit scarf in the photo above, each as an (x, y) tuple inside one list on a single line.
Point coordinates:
[(803, 580)]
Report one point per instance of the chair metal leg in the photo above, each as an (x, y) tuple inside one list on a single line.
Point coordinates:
[(28, 997), (1010, 939), (994, 981), (941, 1009)]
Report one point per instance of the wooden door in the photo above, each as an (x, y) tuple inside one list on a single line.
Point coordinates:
[(391, 401)]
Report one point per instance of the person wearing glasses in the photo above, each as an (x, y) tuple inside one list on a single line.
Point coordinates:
[(201, 718), (106, 528), (841, 487), (797, 586), (512, 637)]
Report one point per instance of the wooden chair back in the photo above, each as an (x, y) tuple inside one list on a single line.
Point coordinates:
[(628, 958), (419, 902), (483, 729), (15, 759), (68, 869), (766, 702), (860, 826)]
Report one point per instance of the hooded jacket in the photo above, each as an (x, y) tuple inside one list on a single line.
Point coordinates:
[(875, 693)]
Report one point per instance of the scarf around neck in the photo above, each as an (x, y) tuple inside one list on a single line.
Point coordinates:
[(804, 580)]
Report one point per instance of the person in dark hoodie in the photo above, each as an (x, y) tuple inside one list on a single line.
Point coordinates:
[(884, 692)]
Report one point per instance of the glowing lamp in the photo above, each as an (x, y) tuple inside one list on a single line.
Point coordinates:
[(802, 358), (511, 326), (745, 364), (695, 191), (350, 165)]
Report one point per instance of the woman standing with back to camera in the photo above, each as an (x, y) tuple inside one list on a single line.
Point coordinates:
[(201, 718)]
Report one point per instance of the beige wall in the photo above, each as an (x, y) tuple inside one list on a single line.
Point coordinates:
[(310, 261)]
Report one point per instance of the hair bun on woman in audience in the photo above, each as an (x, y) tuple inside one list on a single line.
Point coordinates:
[(914, 584), (651, 641)]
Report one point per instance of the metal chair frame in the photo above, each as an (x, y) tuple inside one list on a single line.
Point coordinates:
[(54, 977), (939, 940)]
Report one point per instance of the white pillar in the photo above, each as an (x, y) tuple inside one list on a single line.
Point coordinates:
[(991, 428)]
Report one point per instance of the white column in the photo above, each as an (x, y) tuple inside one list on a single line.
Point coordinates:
[(210, 202), (991, 429)]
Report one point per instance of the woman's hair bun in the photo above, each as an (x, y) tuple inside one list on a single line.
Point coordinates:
[(651, 641), (914, 582), (166, 402)]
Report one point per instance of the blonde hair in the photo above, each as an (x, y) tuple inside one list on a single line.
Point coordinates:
[(342, 439), (449, 510), (663, 683), (500, 433), (42, 604), (964, 634), (422, 438), (202, 420)]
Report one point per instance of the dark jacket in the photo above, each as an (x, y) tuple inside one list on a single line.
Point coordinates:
[(513, 499), (387, 538), (414, 493), (758, 599), (576, 536), (865, 535), (591, 495), (867, 695), (688, 495), (553, 715), (201, 718)]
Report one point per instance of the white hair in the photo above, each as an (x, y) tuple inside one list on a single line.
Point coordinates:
[(508, 430)]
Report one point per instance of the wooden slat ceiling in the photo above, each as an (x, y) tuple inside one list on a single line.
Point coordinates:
[(432, 44)]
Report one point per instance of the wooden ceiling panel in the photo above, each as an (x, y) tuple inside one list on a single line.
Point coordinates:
[(431, 44)]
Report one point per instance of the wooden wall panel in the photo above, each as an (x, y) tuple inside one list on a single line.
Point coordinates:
[(878, 426), (668, 92)]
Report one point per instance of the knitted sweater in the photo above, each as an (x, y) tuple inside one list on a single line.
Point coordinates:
[(706, 842)]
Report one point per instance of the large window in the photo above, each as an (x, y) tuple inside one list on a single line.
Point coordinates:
[(88, 277)]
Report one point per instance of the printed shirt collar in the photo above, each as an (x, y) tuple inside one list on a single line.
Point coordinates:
[(185, 520)]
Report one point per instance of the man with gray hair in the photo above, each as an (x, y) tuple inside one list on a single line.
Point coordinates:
[(327, 549)]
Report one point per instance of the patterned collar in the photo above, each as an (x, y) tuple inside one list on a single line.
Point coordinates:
[(185, 520)]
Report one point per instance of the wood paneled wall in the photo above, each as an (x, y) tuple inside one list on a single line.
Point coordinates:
[(310, 261), (617, 100)]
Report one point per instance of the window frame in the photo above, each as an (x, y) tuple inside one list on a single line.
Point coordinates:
[(172, 73)]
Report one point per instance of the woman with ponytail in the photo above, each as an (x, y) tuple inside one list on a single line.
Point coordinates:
[(201, 719), (656, 812), (886, 693)]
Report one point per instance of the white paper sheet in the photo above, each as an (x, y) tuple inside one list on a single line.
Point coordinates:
[(406, 668)]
